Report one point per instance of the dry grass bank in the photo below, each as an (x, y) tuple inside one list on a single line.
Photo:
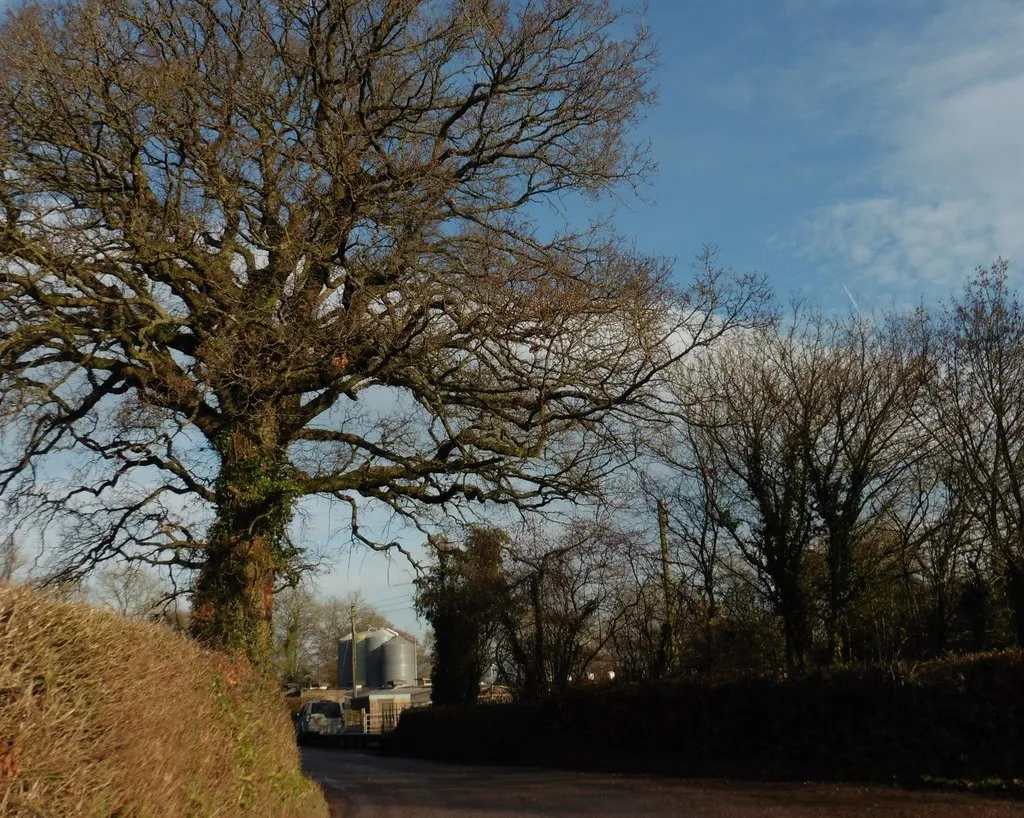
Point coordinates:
[(103, 716)]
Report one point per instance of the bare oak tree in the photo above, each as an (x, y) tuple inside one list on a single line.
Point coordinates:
[(254, 252), (745, 440), (856, 390)]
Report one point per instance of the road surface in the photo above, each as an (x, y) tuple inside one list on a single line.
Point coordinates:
[(366, 785)]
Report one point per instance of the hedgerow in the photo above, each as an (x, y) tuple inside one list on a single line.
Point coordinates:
[(958, 719), (102, 716)]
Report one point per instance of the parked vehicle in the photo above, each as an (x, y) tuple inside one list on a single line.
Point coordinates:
[(319, 719)]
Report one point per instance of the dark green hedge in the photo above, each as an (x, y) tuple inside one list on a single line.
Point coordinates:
[(958, 718)]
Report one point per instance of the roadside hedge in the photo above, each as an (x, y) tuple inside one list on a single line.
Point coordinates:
[(956, 719), (106, 716)]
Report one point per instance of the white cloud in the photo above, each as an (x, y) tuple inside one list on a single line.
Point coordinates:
[(945, 103), (902, 243)]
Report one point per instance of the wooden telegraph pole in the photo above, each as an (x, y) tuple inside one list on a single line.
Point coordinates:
[(352, 616)]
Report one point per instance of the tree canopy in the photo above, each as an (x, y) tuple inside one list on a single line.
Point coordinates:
[(255, 252)]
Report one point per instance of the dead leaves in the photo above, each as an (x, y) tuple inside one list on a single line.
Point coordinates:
[(10, 765)]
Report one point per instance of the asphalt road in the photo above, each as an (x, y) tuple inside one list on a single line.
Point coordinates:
[(366, 785)]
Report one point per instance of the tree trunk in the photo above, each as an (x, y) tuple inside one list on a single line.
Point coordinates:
[(232, 600), (974, 604), (938, 627), (710, 615), (539, 673), (839, 558), (1015, 596), (792, 607), (794, 631)]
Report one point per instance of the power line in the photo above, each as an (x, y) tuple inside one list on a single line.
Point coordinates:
[(388, 599), (396, 608)]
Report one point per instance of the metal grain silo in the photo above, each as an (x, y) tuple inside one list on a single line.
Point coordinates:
[(345, 661), (375, 656), (399, 662)]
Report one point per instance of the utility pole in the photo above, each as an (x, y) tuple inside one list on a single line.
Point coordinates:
[(352, 616), (666, 584)]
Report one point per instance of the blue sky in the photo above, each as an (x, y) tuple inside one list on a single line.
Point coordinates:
[(871, 144), (828, 142)]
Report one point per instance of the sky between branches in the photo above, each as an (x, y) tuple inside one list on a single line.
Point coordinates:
[(864, 144), (834, 145)]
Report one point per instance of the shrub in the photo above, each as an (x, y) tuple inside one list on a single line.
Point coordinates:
[(101, 715)]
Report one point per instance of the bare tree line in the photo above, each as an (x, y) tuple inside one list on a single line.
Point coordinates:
[(857, 478), (839, 489), (538, 607)]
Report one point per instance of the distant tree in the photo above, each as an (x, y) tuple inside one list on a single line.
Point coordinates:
[(131, 590), (425, 654), (558, 611), (937, 539), (698, 541), (297, 615), (745, 441), (856, 390), (976, 414), (307, 629), (635, 644), (333, 623), (461, 596), (12, 559)]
